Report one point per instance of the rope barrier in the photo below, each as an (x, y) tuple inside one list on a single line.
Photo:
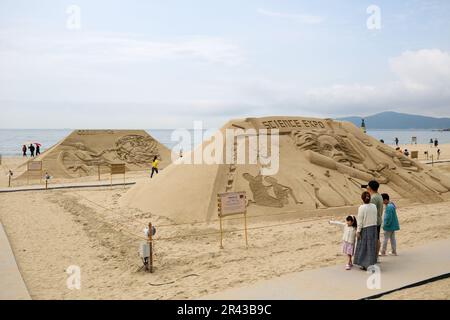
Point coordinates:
[(241, 229), (187, 223)]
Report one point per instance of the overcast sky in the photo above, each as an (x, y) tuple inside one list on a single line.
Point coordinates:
[(164, 64)]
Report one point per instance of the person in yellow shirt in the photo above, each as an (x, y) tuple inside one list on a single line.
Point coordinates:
[(154, 166)]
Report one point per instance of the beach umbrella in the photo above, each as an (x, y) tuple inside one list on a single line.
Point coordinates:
[(38, 144)]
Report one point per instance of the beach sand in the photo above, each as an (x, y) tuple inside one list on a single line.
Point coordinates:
[(438, 290), (432, 151), (52, 230)]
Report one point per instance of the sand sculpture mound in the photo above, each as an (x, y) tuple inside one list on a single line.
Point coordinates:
[(322, 164), (83, 151)]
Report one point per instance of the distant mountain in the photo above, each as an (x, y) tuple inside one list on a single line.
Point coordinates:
[(395, 120)]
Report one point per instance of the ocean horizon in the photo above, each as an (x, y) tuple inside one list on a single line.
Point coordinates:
[(11, 140)]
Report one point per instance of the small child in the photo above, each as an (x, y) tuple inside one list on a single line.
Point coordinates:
[(390, 225), (348, 243)]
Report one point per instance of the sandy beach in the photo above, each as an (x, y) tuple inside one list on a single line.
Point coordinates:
[(52, 230)]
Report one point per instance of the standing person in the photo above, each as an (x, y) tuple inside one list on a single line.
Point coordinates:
[(431, 141), (38, 149), (390, 225), (154, 166), (436, 143), (396, 141), (377, 200), (438, 153), (31, 147), (348, 238), (366, 233), (24, 150)]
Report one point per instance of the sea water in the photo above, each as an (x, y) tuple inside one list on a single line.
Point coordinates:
[(12, 140)]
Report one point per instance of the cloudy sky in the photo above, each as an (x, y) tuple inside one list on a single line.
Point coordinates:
[(164, 64)]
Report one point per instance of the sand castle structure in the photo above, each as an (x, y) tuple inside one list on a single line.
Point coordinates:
[(84, 152), (322, 164)]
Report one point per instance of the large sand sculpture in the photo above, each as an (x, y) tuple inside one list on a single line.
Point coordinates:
[(323, 164), (84, 151)]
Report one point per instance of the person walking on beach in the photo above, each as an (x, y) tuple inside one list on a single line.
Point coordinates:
[(431, 141), (348, 238), (38, 149), (390, 225), (438, 153), (396, 141), (436, 143), (377, 200), (24, 150), (32, 148), (154, 166), (366, 233)]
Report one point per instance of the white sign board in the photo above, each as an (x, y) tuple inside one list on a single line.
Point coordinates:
[(35, 166), (231, 203)]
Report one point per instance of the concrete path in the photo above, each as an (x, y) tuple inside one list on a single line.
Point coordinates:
[(12, 286), (411, 266), (95, 184)]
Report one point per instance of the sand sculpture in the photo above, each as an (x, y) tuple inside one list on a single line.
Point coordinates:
[(82, 152), (323, 164)]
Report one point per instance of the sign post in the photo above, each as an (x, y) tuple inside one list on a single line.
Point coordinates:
[(232, 203)]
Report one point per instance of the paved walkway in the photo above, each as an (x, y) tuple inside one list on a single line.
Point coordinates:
[(412, 266), (12, 286), (95, 184)]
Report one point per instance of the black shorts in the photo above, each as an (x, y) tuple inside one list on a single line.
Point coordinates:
[(378, 231)]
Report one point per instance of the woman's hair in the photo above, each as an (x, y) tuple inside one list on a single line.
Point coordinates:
[(353, 220), (365, 197), (156, 157), (385, 196)]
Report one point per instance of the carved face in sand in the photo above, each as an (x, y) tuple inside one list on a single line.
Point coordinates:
[(331, 146)]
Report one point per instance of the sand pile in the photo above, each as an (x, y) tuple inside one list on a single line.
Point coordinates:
[(83, 151), (322, 164)]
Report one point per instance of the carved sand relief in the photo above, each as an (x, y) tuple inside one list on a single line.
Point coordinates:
[(79, 160), (88, 152), (322, 164)]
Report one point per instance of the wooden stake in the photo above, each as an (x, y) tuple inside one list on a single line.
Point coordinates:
[(9, 180), (245, 227), (150, 240), (98, 169), (221, 232)]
